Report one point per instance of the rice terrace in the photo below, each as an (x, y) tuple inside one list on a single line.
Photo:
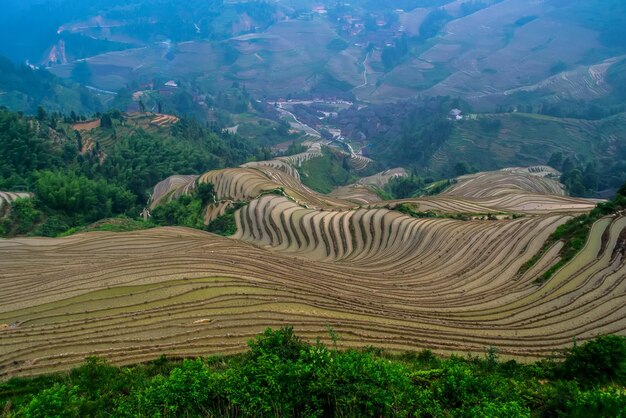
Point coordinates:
[(313, 208), (456, 272)]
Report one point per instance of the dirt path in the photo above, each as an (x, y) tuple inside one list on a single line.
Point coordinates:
[(365, 67)]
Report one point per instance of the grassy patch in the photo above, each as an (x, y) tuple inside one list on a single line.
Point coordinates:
[(574, 234), (121, 224), (225, 225), (323, 174)]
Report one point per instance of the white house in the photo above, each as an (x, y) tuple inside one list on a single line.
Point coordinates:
[(455, 114)]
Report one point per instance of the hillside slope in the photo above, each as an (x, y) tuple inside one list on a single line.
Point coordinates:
[(520, 139), (484, 52), (375, 275)]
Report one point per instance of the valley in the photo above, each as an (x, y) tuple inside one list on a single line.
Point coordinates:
[(491, 52)]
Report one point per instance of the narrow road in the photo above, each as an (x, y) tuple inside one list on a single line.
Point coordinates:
[(306, 128)]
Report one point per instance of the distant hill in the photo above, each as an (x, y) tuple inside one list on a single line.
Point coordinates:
[(23, 88), (418, 134), (39, 30), (504, 140), (488, 52)]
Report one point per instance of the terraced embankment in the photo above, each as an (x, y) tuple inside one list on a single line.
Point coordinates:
[(535, 180), (364, 191), (133, 296), (172, 188), (298, 258), (531, 191)]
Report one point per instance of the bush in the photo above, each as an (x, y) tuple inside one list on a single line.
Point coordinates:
[(206, 193), (600, 361), (184, 211), (225, 224), (59, 401), (189, 390), (281, 375), (23, 217)]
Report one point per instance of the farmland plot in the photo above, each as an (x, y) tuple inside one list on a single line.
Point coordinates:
[(299, 258)]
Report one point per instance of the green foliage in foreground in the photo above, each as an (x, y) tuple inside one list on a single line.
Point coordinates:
[(280, 375), (574, 234)]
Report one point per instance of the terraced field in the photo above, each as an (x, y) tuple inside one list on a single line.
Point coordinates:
[(365, 190), (531, 191), (132, 122), (537, 180), (359, 162), (164, 120), (171, 188), (315, 150), (298, 258)]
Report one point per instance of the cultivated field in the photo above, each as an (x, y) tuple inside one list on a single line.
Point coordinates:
[(298, 258), (508, 181)]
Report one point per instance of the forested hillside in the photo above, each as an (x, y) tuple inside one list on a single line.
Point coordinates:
[(23, 88), (419, 135), (77, 180)]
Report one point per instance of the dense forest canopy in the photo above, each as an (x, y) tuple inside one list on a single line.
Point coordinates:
[(74, 185)]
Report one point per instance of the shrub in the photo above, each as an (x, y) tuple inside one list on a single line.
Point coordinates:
[(600, 361), (23, 216), (59, 401), (189, 390)]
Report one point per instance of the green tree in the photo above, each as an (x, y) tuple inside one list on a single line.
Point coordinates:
[(206, 193), (23, 216), (59, 401), (41, 114), (405, 187), (106, 122), (83, 199), (461, 168), (556, 161), (599, 361)]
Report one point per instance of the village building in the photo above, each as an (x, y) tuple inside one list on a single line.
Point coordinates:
[(455, 114)]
